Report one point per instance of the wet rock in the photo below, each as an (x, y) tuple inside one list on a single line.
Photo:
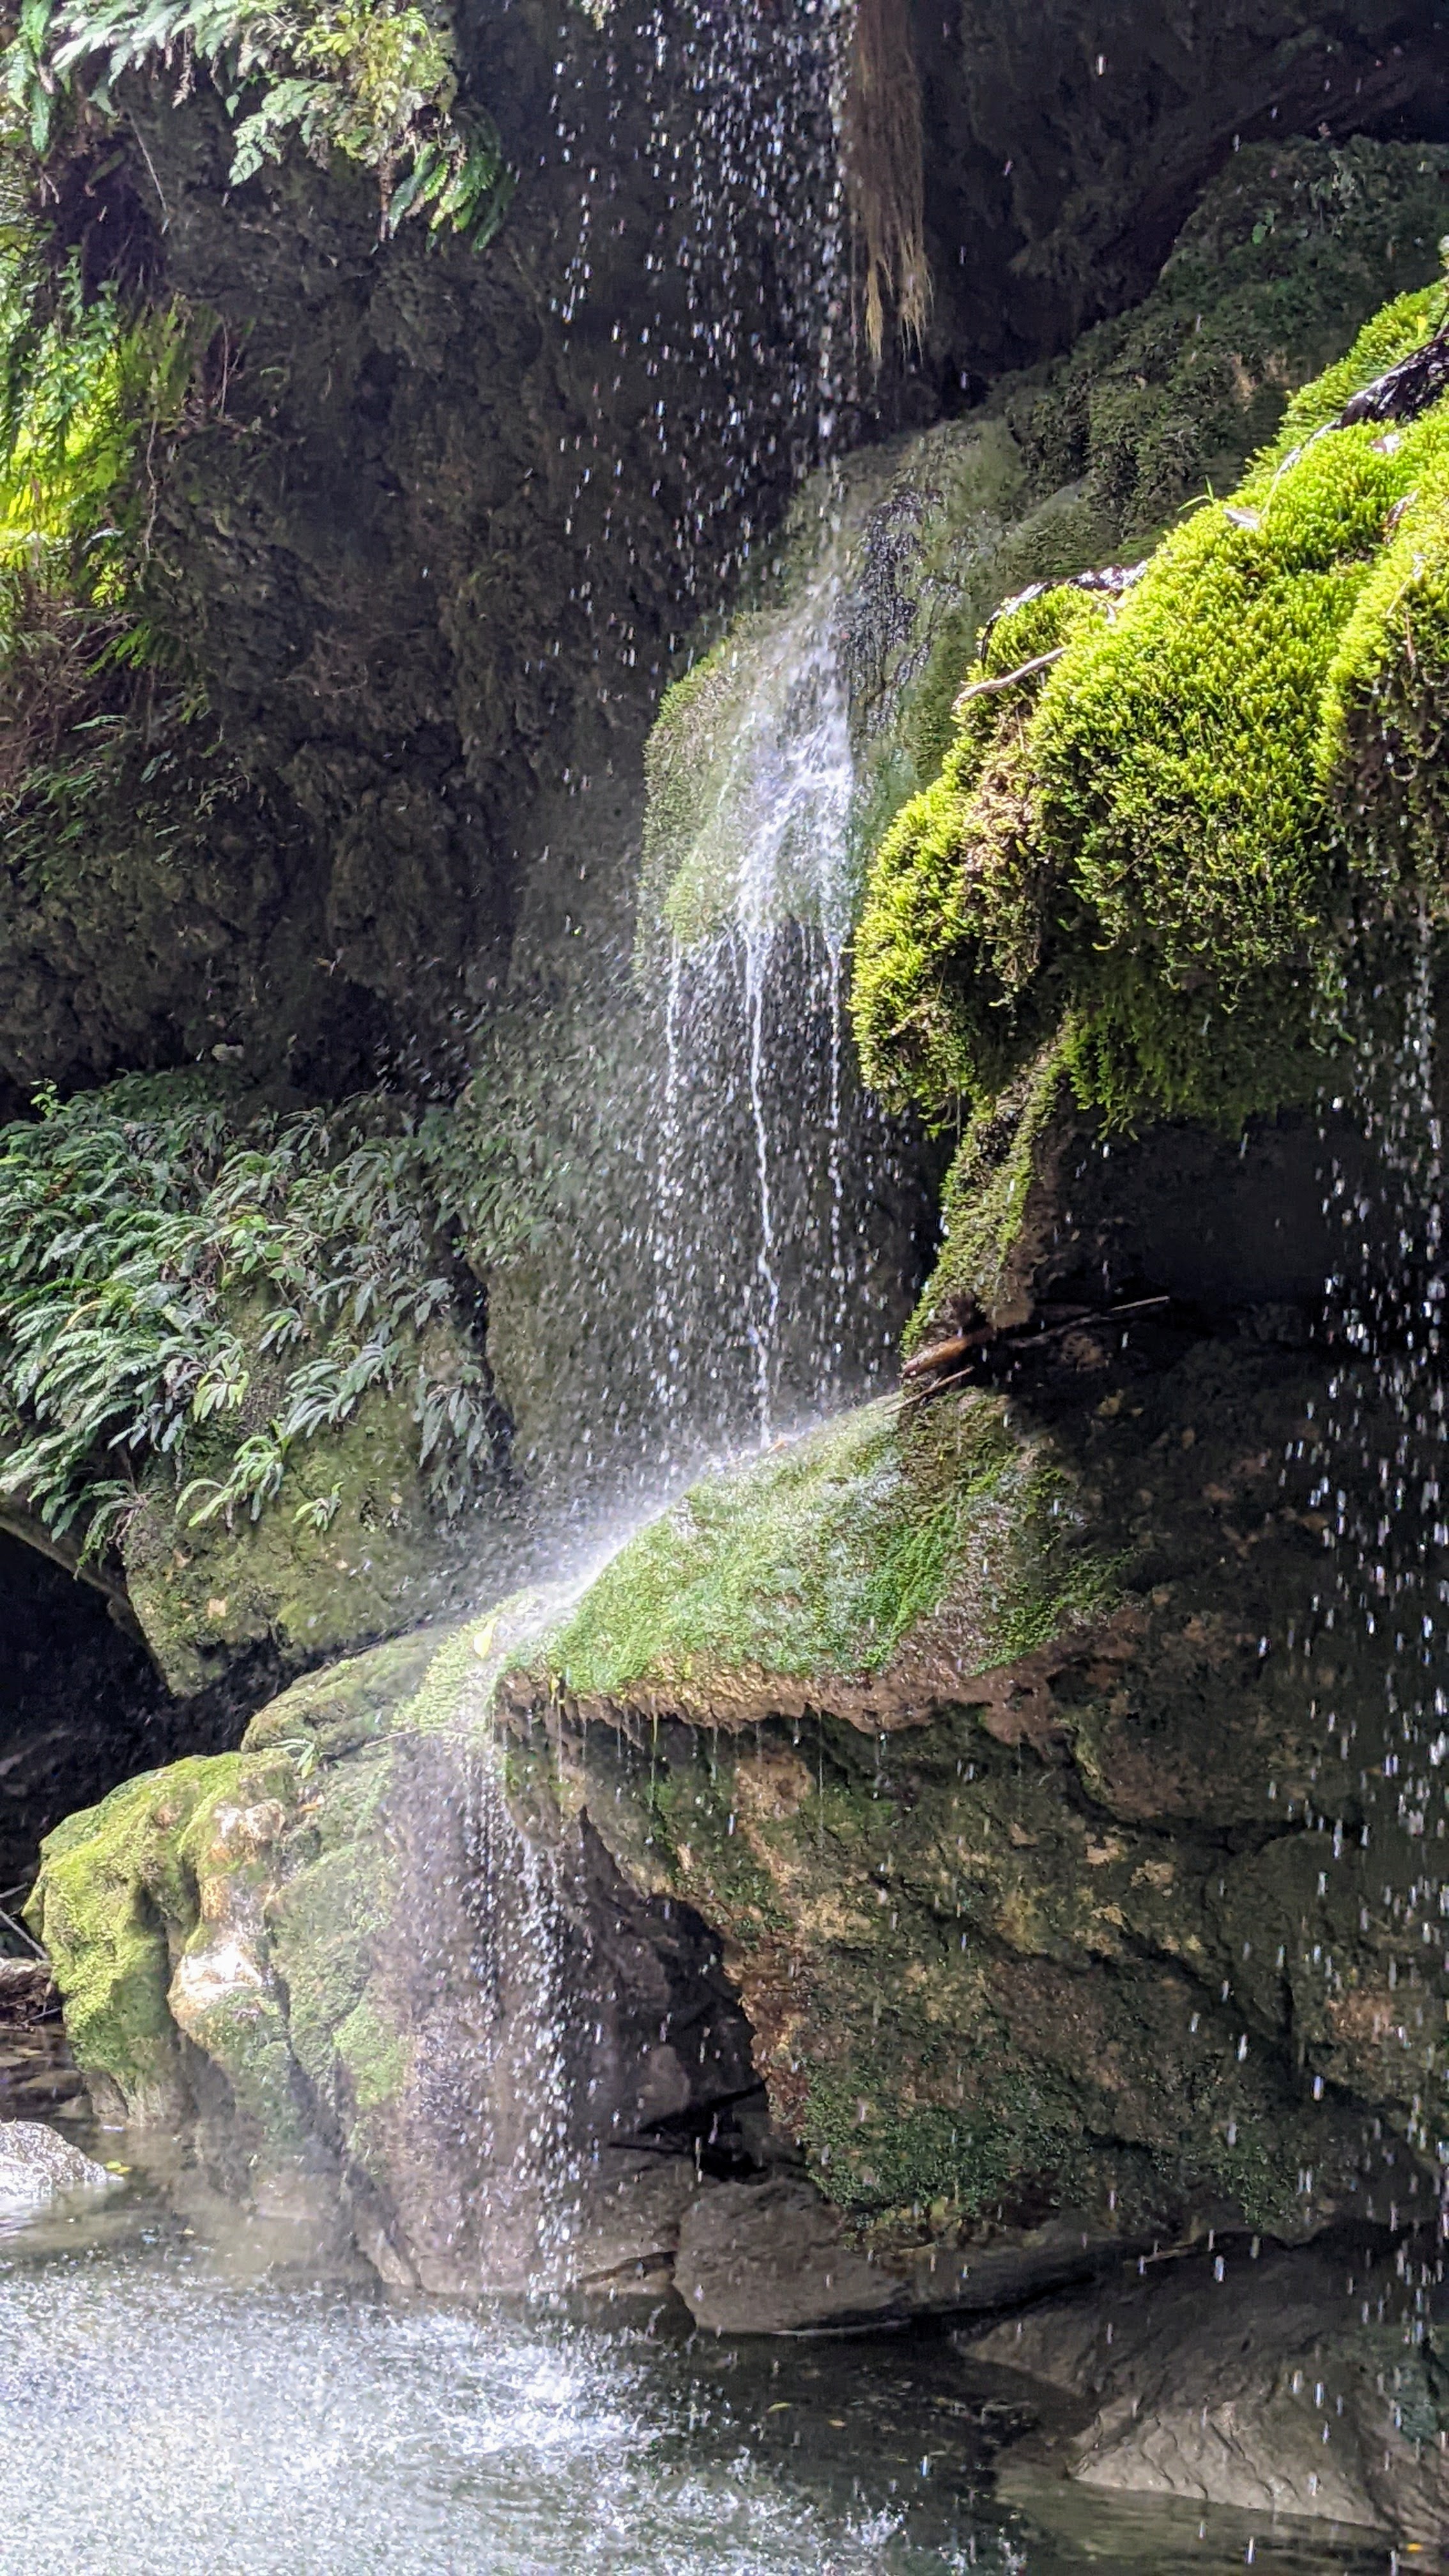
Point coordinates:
[(27, 1993), (37, 2165), (1267, 2385), (334, 1965), (883, 1948), (772, 2257)]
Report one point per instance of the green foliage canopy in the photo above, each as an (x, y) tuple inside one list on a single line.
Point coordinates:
[(165, 1268)]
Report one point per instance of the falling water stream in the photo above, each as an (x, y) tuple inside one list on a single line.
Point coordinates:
[(173, 2398)]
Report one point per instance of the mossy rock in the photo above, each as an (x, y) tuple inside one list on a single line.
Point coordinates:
[(231, 1929), (375, 1558), (875, 599), (963, 1737), (1186, 842), (842, 1563), (982, 1919)]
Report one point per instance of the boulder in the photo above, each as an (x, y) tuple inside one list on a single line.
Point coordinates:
[(1274, 2385), (38, 2165)]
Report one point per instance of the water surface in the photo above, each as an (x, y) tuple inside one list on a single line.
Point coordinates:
[(169, 2403)]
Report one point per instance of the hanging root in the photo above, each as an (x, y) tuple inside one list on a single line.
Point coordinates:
[(882, 153)]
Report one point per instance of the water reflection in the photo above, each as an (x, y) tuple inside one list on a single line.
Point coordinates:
[(167, 2404)]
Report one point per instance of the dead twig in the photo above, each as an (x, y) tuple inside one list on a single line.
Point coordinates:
[(11, 1924), (1082, 1319), (1007, 679)]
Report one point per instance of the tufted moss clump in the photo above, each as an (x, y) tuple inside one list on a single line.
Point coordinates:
[(891, 563), (1292, 247), (1164, 840), (961, 891)]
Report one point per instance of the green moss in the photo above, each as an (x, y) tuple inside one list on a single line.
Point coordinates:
[(949, 996), (375, 2054), (1163, 847), (986, 1201), (822, 1558), (1291, 250), (115, 1893), (1257, 2170), (895, 2159), (893, 564)]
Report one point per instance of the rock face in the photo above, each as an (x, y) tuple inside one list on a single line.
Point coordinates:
[(38, 2165), (906, 1876), (1268, 2384), (334, 1957), (984, 1841)]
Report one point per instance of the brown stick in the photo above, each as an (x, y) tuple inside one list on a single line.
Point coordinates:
[(1008, 679), (940, 1352), (966, 1343)]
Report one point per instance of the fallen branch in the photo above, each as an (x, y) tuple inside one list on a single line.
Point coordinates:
[(940, 1352), (1008, 679), (966, 1345), (12, 1925), (1402, 392)]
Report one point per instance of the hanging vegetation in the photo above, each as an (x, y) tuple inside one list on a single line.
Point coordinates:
[(883, 159), (376, 83), (1171, 804), (171, 1271)]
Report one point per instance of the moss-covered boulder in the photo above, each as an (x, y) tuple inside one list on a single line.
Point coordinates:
[(1030, 1927), (330, 1962), (976, 1790), (1184, 855), (829, 700), (353, 1550)]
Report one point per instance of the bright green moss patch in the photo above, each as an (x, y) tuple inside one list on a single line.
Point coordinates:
[(960, 892), (893, 562), (1165, 841), (821, 1559), (115, 1879)]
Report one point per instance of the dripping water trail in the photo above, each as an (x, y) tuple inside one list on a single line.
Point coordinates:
[(758, 943)]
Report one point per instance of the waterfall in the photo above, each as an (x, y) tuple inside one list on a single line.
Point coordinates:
[(1375, 1647), (765, 1152), (517, 1964)]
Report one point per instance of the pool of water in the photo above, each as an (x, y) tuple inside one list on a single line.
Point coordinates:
[(169, 2403)]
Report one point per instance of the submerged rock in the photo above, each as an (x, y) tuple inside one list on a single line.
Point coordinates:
[(37, 2165)]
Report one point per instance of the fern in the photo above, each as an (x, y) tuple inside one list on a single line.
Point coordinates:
[(159, 1268), (369, 79)]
